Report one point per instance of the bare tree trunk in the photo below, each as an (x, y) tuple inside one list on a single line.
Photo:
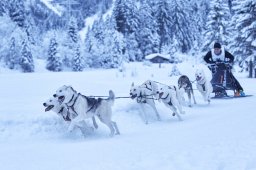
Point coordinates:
[(250, 68), (254, 66)]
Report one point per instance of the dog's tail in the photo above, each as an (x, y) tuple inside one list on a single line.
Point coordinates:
[(111, 97)]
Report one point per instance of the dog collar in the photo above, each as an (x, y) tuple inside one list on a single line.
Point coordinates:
[(71, 98)]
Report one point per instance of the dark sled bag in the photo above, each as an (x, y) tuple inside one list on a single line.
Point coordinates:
[(222, 77)]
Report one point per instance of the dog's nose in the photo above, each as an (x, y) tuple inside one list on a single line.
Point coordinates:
[(157, 92), (44, 104), (54, 95), (130, 94)]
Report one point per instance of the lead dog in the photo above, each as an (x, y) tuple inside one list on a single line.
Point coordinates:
[(185, 85), (169, 95), (53, 104), (86, 107), (204, 85), (144, 95)]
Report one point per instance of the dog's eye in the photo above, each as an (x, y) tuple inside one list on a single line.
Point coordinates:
[(134, 89), (60, 90), (50, 100)]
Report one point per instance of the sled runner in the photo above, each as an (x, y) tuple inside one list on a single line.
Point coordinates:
[(231, 97)]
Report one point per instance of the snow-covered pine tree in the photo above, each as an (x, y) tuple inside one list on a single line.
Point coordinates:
[(132, 14), (30, 31), (132, 48), (73, 31), (78, 61), (114, 54), (53, 61), (116, 43), (72, 43), (197, 12), (12, 57), (130, 33), (7, 31), (164, 22), (26, 60), (148, 38), (175, 71), (17, 12), (88, 48), (126, 15), (94, 44), (244, 41), (105, 45), (2, 7), (217, 24), (183, 28), (119, 13)]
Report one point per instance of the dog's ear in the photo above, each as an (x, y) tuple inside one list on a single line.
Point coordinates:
[(132, 84)]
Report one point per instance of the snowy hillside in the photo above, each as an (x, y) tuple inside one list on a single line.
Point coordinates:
[(219, 136)]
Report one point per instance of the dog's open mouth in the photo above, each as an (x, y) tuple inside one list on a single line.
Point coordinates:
[(133, 96), (49, 108), (160, 95), (198, 78), (61, 99)]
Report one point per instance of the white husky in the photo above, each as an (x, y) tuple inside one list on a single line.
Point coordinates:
[(169, 95), (144, 94), (53, 104), (86, 107), (204, 85)]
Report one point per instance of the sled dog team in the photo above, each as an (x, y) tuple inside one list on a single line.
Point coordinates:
[(76, 108)]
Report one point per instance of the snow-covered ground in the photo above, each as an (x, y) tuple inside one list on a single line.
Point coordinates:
[(219, 136)]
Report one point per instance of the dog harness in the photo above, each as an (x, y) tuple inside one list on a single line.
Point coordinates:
[(72, 105), (140, 98), (148, 87), (202, 84), (170, 102), (66, 118)]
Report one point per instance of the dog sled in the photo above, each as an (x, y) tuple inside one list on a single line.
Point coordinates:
[(222, 80)]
